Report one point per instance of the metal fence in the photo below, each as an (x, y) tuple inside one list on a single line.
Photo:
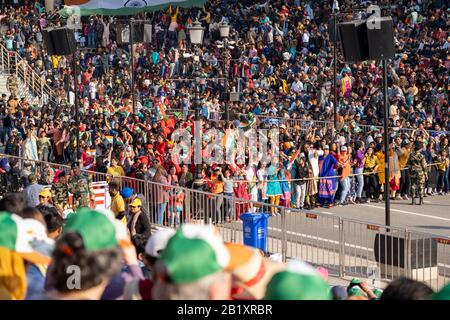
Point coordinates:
[(304, 124), (346, 247)]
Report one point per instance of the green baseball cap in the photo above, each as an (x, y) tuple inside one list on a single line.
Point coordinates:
[(443, 294), (99, 230), (194, 252), (299, 281), (378, 293), (20, 235), (356, 291)]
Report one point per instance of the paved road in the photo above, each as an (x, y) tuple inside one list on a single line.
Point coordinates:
[(432, 217)]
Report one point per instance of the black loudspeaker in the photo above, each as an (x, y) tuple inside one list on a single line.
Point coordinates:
[(138, 33), (380, 34), (123, 33), (63, 41), (354, 41), (392, 251), (48, 42), (331, 30)]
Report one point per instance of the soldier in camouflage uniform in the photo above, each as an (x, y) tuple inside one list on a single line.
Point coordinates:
[(60, 193), (418, 172), (80, 187), (12, 84)]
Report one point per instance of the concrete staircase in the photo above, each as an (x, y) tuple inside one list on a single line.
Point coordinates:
[(22, 92), (31, 86)]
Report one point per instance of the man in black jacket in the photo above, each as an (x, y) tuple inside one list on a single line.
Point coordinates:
[(300, 185), (139, 224)]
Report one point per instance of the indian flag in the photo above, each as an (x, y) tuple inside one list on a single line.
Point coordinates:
[(122, 7), (109, 139), (294, 156), (91, 152), (161, 110), (228, 140)]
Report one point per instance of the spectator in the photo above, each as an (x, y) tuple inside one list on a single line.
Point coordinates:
[(45, 197), (406, 289), (14, 253), (13, 203), (117, 202), (53, 221), (98, 256), (138, 225), (32, 191), (199, 277), (141, 289)]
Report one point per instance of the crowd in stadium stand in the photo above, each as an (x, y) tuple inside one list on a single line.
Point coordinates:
[(280, 58)]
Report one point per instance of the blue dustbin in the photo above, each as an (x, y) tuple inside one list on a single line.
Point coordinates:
[(255, 229)]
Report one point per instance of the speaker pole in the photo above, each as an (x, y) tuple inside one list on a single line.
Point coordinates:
[(386, 148), (77, 118), (133, 98), (335, 70)]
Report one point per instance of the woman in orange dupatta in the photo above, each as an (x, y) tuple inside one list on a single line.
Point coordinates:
[(345, 165)]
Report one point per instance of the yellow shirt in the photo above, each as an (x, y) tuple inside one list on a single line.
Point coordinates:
[(217, 186), (55, 62), (115, 172), (370, 162), (403, 159), (443, 166), (173, 16), (117, 206)]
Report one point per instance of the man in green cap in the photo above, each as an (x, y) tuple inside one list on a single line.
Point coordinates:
[(192, 266), (358, 288), (93, 246)]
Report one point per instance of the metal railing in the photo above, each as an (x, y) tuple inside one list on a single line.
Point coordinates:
[(32, 86), (346, 247), (304, 124)]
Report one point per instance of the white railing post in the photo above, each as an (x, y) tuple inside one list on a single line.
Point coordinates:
[(284, 240), (3, 57), (341, 248), (16, 63)]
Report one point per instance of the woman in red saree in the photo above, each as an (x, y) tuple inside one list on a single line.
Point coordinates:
[(242, 195)]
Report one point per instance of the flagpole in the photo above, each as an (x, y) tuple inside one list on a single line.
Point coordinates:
[(77, 118), (133, 94)]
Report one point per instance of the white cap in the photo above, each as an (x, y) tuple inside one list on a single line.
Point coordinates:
[(158, 242), (343, 148)]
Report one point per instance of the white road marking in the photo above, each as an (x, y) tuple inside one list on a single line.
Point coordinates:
[(410, 213), (328, 213)]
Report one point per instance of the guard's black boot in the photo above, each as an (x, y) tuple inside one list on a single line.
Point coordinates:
[(420, 201), (413, 201)]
